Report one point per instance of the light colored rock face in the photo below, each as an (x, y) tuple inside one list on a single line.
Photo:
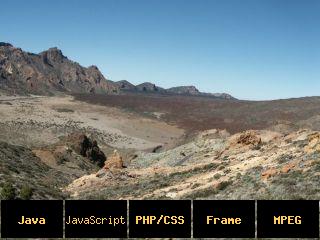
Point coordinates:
[(184, 90), (247, 138), (248, 165), (314, 143), (114, 161)]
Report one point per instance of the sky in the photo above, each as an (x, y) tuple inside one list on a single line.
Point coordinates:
[(251, 49)]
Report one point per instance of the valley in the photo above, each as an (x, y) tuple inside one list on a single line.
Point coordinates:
[(67, 132), (98, 147)]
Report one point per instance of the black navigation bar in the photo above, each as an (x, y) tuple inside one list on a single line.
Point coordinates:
[(159, 219)]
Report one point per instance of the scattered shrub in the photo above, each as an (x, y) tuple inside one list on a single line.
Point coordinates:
[(26, 193), (64, 110), (284, 158), (221, 167), (217, 176), (223, 185), (195, 185), (8, 192)]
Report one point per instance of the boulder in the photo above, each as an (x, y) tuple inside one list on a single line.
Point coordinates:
[(114, 161), (249, 138), (313, 143)]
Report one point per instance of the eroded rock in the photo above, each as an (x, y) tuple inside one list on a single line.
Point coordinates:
[(87, 147)]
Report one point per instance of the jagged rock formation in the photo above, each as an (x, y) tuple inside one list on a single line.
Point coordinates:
[(48, 72), (114, 161), (249, 138), (48, 169), (249, 165), (313, 143), (149, 87), (222, 95), (86, 147), (113, 165), (192, 90)]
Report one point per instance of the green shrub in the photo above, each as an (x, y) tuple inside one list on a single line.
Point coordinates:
[(223, 185), (217, 176), (26, 193), (64, 110), (221, 167), (8, 192)]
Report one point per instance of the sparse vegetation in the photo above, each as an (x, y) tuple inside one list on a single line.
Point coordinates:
[(223, 185), (195, 185), (8, 192), (201, 113), (64, 110), (217, 176), (227, 170), (26, 192), (202, 193), (233, 169), (284, 158)]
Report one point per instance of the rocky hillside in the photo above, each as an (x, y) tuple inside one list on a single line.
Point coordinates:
[(124, 85), (184, 90), (21, 167), (47, 170), (214, 165), (42, 147), (193, 91), (203, 113), (48, 72), (148, 87)]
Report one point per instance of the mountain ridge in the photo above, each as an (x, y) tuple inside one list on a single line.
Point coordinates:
[(50, 72), (149, 87), (47, 73)]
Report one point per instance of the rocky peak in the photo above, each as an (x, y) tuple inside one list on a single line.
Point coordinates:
[(56, 50), (95, 71), (125, 85), (93, 67), (114, 161), (191, 88), (53, 55), (148, 87), (223, 95), (184, 90), (4, 44), (50, 71)]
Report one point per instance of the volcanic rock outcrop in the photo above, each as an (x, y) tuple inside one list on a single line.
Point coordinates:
[(50, 72), (249, 138), (114, 161), (47, 73), (86, 147)]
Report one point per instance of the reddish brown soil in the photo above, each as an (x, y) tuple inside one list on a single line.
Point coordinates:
[(201, 113)]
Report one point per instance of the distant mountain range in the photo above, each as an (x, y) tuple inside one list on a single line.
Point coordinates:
[(50, 72), (148, 87)]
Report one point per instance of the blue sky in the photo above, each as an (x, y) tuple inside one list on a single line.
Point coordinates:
[(252, 49)]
